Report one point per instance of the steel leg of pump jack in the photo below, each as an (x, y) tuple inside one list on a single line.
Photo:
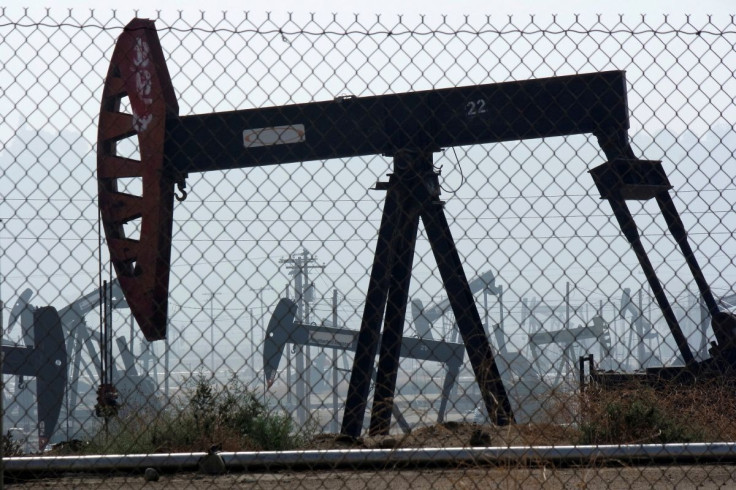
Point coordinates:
[(626, 222), (467, 317), (625, 178), (403, 243), (724, 324), (394, 409), (405, 427), (369, 334), (453, 371), (403, 424), (567, 363), (415, 177), (83, 339), (76, 368)]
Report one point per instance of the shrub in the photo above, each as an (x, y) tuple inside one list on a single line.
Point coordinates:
[(11, 447), (638, 413), (205, 415)]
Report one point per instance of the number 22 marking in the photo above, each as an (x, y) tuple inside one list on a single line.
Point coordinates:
[(475, 107)]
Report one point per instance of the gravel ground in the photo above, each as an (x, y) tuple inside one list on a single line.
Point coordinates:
[(655, 477)]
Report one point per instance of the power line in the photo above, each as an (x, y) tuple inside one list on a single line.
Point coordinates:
[(459, 238), (192, 199), (364, 220)]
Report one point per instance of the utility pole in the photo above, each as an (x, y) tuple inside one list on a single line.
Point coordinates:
[(289, 358), (299, 266), (212, 332)]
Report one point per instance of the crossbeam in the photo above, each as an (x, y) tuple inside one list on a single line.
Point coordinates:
[(357, 126)]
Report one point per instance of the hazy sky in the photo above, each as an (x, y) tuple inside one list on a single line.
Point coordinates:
[(311, 213)]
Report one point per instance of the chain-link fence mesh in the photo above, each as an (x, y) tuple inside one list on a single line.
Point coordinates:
[(559, 318)]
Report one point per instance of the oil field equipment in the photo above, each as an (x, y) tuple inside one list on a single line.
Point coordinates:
[(408, 127), (282, 329), (78, 340), (46, 361)]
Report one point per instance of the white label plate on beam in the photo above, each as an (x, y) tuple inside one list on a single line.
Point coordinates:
[(273, 135)]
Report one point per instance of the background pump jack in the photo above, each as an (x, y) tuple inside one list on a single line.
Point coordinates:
[(47, 362), (408, 127), (282, 329), (136, 390), (78, 335), (640, 332), (567, 338)]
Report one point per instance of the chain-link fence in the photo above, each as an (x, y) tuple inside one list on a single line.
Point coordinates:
[(376, 235)]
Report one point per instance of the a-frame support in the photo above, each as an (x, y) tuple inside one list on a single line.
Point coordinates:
[(413, 192)]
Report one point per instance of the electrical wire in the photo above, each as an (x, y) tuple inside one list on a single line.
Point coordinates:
[(460, 169)]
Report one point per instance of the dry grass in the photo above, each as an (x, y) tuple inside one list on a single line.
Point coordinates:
[(638, 413), (630, 414), (626, 414)]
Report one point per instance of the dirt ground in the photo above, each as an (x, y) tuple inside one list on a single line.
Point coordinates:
[(613, 478), (456, 434)]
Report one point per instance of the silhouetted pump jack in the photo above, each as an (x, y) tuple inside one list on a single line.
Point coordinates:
[(47, 362), (282, 329), (408, 127)]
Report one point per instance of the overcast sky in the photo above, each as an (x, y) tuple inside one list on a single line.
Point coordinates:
[(263, 254)]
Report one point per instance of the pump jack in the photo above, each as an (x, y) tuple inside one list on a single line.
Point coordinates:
[(423, 317), (75, 330), (408, 127), (79, 337), (282, 329), (641, 331), (567, 338), (46, 361)]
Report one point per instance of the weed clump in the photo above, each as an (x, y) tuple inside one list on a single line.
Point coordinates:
[(205, 415), (11, 447), (638, 413)]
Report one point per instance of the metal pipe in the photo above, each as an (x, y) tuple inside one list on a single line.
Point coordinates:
[(362, 458)]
